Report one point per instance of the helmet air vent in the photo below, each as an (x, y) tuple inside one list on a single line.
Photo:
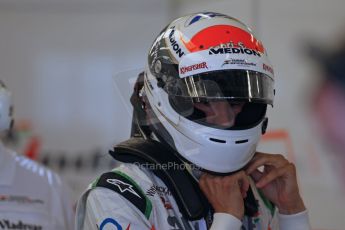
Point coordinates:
[(217, 140), (241, 141)]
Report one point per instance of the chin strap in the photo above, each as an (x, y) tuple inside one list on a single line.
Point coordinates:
[(170, 169)]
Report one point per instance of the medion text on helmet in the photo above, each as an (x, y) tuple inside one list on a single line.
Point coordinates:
[(174, 44), (234, 51)]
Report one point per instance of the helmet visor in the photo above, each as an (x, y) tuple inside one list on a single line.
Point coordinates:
[(231, 99), (243, 85)]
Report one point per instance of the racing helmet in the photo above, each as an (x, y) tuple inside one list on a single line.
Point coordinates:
[(6, 108), (202, 58)]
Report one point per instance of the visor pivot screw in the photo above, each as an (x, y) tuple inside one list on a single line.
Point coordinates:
[(158, 66)]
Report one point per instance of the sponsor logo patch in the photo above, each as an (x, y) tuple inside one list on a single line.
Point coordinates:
[(20, 199), (125, 186), (110, 222), (176, 47), (234, 51), (240, 62), (161, 191), (204, 15), (267, 68), (19, 225), (186, 69)]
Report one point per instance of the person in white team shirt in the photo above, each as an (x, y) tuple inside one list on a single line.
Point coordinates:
[(31, 196), (200, 103)]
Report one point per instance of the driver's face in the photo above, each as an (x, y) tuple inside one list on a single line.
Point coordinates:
[(220, 113)]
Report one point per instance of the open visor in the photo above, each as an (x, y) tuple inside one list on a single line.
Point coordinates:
[(242, 85)]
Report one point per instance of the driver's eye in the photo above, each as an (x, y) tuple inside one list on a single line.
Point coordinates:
[(234, 104)]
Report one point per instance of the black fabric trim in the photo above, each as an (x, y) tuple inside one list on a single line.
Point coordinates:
[(251, 205), (126, 188)]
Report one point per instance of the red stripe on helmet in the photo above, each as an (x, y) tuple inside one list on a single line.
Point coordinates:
[(222, 35)]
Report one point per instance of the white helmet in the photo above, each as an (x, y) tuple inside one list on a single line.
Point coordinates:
[(5, 108), (203, 57)]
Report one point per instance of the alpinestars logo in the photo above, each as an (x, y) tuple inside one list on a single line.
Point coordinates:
[(7, 224), (234, 51), (124, 187)]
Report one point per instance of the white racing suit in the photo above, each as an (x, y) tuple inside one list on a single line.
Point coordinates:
[(31, 196), (140, 200)]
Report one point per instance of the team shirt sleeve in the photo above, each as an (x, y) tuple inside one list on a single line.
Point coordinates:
[(298, 221), (67, 207), (225, 221)]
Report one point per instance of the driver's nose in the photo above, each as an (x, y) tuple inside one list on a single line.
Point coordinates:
[(221, 113)]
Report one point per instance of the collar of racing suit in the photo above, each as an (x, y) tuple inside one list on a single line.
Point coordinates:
[(181, 179), (184, 187)]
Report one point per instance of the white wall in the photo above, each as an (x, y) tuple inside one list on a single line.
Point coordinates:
[(285, 26), (59, 58), (59, 64)]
